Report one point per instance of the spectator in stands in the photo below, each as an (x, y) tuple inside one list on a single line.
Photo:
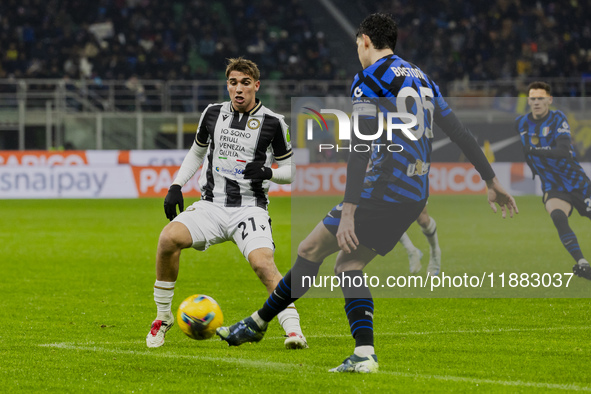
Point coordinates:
[(118, 39)]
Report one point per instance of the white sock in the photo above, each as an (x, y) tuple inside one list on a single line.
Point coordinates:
[(583, 262), (431, 234), (163, 293), (364, 351), (290, 319), (407, 243), (259, 321)]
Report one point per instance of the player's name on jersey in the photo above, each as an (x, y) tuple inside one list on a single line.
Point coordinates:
[(407, 72)]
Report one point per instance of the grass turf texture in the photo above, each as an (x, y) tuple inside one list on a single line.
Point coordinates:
[(76, 305)]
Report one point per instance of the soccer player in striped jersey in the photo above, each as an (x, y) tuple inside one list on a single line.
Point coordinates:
[(236, 141), (545, 135), (381, 201)]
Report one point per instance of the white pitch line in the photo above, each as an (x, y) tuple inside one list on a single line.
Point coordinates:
[(277, 365), (570, 387), (485, 331), (231, 360), (399, 334)]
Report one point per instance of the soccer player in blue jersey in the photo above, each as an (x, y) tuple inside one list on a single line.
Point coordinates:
[(381, 201), (545, 136)]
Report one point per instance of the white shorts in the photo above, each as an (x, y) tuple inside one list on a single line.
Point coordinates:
[(209, 224)]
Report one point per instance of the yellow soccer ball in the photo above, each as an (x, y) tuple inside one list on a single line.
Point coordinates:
[(199, 316)]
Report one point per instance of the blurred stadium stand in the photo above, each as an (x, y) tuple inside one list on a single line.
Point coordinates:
[(69, 68)]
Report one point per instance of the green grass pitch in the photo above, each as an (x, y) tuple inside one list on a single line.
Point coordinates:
[(76, 304)]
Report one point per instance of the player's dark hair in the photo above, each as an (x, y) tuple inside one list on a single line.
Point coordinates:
[(381, 29), (243, 65), (540, 85)]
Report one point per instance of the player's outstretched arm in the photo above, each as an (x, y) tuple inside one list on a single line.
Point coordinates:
[(459, 134), (497, 194)]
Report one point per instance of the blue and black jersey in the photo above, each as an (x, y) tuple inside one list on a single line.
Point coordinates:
[(550, 154), (395, 85)]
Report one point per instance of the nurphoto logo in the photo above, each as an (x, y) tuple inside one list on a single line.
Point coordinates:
[(393, 121)]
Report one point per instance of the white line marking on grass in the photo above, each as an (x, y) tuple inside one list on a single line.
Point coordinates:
[(519, 383), (230, 360), (484, 331), (276, 365)]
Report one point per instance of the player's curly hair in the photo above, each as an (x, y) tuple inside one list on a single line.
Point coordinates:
[(540, 85), (243, 65), (381, 29)]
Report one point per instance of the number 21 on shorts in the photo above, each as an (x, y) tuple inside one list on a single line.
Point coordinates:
[(249, 225)]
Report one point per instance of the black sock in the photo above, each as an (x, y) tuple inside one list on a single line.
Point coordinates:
[(567, 237), (290, 288), (358, 307)]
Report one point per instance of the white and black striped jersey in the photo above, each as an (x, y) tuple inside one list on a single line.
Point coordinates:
[(235, 139)]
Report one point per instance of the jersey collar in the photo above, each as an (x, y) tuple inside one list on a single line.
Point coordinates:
[(256, 107)]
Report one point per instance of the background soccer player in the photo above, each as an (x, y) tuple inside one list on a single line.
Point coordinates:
[(545, 136), (240, 138), (380, 202)]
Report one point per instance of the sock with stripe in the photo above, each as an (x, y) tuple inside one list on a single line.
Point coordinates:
[(289, 289), (567, 237), (359, 310), (431, 234), (407, 243), (163, 293)]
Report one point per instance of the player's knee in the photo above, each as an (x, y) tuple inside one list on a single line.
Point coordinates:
[(557, 204), (166, 242), (308, 249), (170, 241), (423, 220)]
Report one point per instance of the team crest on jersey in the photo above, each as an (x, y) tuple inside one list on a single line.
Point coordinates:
[(546, 131), (535, 140), (254, 124)]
